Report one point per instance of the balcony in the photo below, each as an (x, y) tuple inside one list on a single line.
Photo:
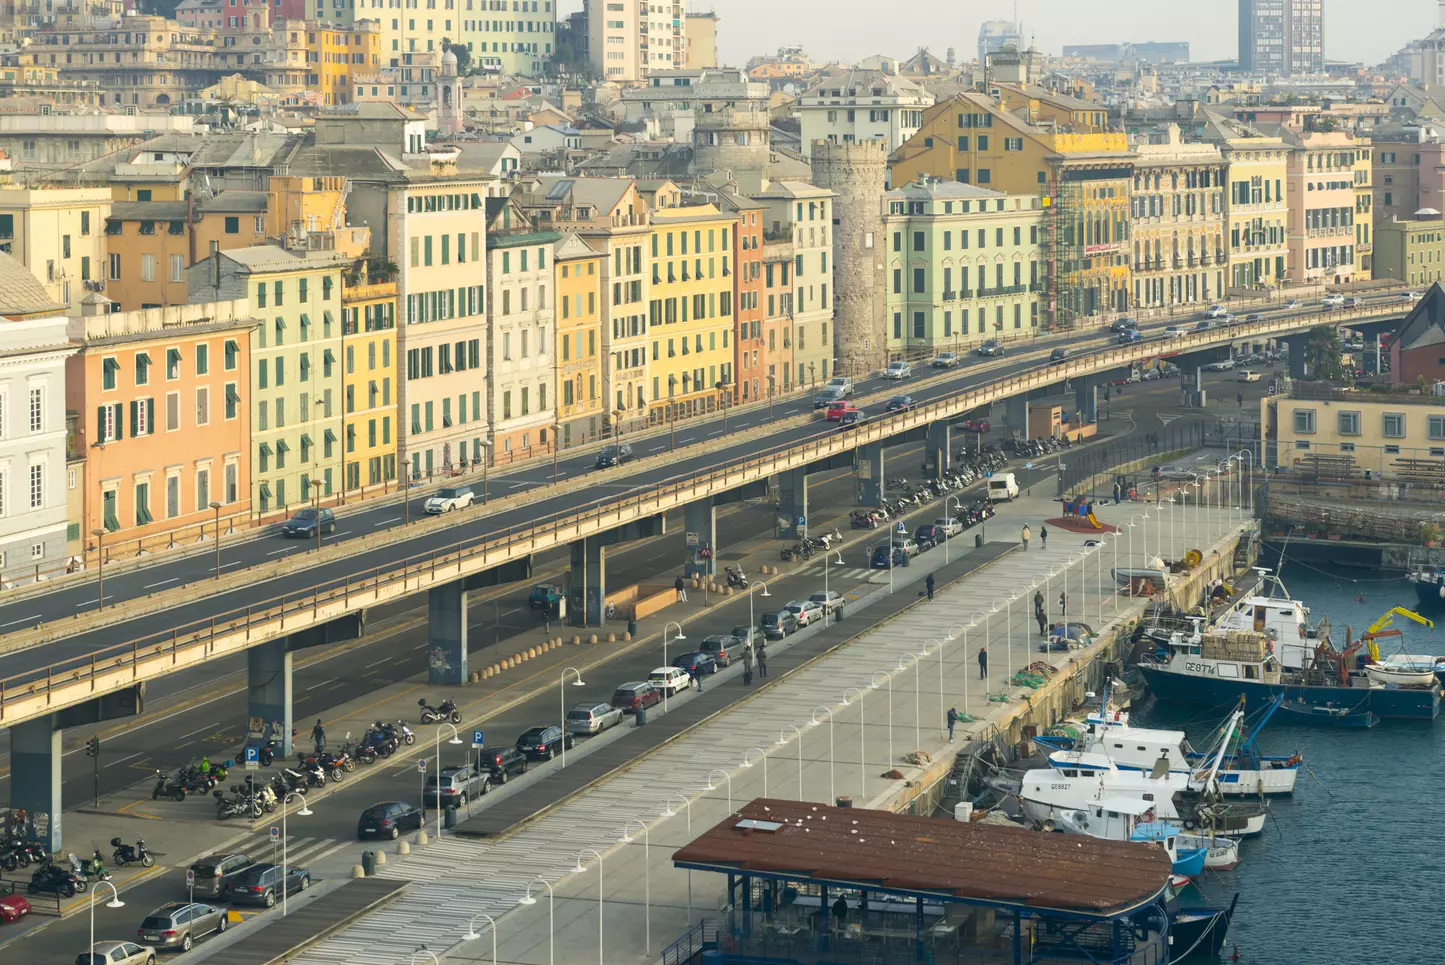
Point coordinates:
[(949, 296), (361, 293), (999, 291), (778, 234)]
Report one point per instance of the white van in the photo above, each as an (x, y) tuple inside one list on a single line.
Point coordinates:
[(1175, 331), (1003, 487)]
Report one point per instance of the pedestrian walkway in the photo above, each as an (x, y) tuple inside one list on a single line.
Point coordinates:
[(838, 726)]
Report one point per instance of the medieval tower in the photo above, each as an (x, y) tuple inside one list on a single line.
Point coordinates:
[(856, 171)]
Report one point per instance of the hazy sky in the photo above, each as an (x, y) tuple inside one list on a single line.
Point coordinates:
[(1364, 30)]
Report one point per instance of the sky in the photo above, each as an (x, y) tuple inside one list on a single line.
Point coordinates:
[(847, 30)]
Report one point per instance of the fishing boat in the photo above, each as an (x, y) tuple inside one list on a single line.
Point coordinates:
[(1220, 852), (1400, 676), (1429, 582), (1418, 662), (1130, 819), (1196, 933), (1328, 715)]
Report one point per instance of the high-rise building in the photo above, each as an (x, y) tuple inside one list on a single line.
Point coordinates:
[(627, 40), (1282, 36), (993, 34)]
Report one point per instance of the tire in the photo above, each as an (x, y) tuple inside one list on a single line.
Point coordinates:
[(461, 801), (410, 739), (550, 754), (179, 796), (336, 773), (350, 765), (221, 925), (270, 900), (456, 717), (67, 890), (505, 777), (305, 883), (187, 943), (147, 861), (395, 833), (79, 886), (451, 506), (150, 960)]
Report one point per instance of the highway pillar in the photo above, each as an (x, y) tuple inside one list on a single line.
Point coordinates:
[(792, 503), (1194, 388), (936, 458), (872, 486), (1086, 400), (446, 612), (35, 757), (1296, 345), (588, 590), (268, 692), (1016, 414), (700, 521)]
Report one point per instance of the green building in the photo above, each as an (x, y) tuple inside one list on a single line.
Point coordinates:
[(1410, 252)]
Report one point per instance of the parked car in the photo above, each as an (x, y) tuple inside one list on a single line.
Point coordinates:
[(264, 884), (544, 741), (388, 819), (1124, 325), (1223, 365), (1215, 311), (898, 371), (990, 348), (900, 403), (886, 555), (841, 383), (1206, 325), (303, 524), (450, 498), (1292, 303), (458, 785), (1059, 355), (212, 873), (636, 695), (826, 397), (1333, 301), (839, 409), (778, 625), (544, 596), (748, 635), (670, 681), (1353, 302), (1175, 331), (909, 546), (178, 924), (696, 662), (949, 525), (805, 612), (594, 718), (722, 647), (853, 419), (117, 953), (946, 360), (1410, 296), (1175, 472), (972, 425), (830, 602), (1129, 336), (928, 536), (1248, 375), (13, 908), (609, 456), (503, 763)]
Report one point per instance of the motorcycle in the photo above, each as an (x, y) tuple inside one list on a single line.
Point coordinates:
[(124, 854), (56, 880), (289, 780), (404, 733), (446, 711), (323, 764), (240, 805), (736, 578), (363, 753), (92, 870), (381, 740), (15, 854), (173, 788), (266, 795)]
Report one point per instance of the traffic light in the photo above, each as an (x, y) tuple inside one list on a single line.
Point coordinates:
[(92, 747)]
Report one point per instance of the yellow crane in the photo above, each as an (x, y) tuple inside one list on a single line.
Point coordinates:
[(1382, 628)]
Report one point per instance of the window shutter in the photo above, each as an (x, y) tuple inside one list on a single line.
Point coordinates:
[(134, 418), (100, 424), (150, 416), (120, 421)]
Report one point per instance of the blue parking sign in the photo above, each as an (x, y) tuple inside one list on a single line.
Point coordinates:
[(253, 754), (902, 526), (477, 740)]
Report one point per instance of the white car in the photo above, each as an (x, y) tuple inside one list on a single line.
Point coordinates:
[(1293, 303), (450, 498), (807, 611), (1216, 311), (1410, 297), (949, 525), (1175, 331), (1248, 375), (841, 383), (829, 601), (1333, 301), (898, 371), (1223, 365), (670, 681)]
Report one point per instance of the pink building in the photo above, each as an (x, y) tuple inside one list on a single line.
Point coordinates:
[(1327, 170)]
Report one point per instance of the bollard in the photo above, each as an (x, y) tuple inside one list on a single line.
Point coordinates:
[(592, 638), (473, 677), (357, 871), (421, 839), (381, 857), (627, 637), (403, 848), (611, 638), (576, 639), (531, 652)]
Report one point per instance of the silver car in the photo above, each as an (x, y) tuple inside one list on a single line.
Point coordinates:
[(117, 953), (592, 718), (179, 923)]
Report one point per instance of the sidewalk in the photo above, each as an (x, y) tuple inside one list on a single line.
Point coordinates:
[(896, 681)]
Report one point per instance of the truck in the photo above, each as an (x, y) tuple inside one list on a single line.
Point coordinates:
[(544, 596), (1003, 487)]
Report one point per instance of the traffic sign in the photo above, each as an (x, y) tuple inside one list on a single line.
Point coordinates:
[(691, 539), (275, 833), (705, 553), (252, 758), (421, 765), (902, 526), (190, 877), (988, 475), (477, 740), (802, 521)]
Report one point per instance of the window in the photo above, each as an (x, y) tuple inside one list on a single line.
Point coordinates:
[(233, 226), (37, 410), (1393, 426), (1304, 421), (147, 267), (37, 486), (142, 504), (142, 368), (1349, 423), (1437, 427)]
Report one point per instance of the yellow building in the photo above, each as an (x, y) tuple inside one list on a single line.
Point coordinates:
[(150, 250), (58, 233), (369, 382), (690, 316), (336, 55), (580, 399)]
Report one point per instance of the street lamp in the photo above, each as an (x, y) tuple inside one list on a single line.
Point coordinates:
[(316, 508), (562, 699), (486, 463), (832, 791), (752, 621), (454, 739), (600, 879), (527, 899), (99, 535), (672, 410), (713, 787), (948, 537), (285, 841), (114, 902), (472, 935), (862, 738), (646, 876), (924, 653), (423, 950), (668, 812), (772, 382), (679, 636), (217, 508), (888, 677), (917, 699), (827, 560), (783, 741), (748, 763)]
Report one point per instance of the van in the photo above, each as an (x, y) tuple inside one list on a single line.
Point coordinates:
[(1003, 487), (1174, 331)]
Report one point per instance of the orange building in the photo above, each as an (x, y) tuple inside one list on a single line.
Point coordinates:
[(164, 416), (754, 363), (579, 269), (148, 251)]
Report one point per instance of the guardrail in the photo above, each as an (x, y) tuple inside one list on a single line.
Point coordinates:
[(30, 694)]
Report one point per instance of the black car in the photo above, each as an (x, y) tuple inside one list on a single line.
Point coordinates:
[(543, 741), (929, 536), (388, 820), (215, 871), (614, 456), (696, 663), (1059, 355), (303, 524), (853, 419), (901, 403), (261, 884), (778, 625), (881, 556), (503, 763)]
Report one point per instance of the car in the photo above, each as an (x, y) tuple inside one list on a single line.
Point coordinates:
[(1175, 331), (503, 763), (945, 360), (178, 924), (972, 425), (1333, 301), (778, 625), (990, 348), (385, 819), (839, 409), (1175, 472), (594, 718), (1253, 317), (543, 741), (1129, 336), (898, 371), (117, 953), (1216, 311), (303, 524), (830, 602), (449, 498), (722, 647), (826, 397), (1353, 302), (1292, 303), (1410, 296), (1248, 375), (949, 525), (1124, 325), (13, 907), (852, 420), (544, 596), (636, 695), (1059, 355), (1223, 365), (928, 536), (609, 456), (748, 636), (805, 611), (458, 784), (263, 884), (696, 663), (886, 556), (1206, 325), (909, 546), (211, 874), (670, 681), (842, 383), (901, 403)]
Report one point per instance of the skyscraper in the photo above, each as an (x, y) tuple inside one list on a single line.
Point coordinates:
[(1282, 36), (993, 34)]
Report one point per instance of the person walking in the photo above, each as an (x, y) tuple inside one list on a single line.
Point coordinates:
[(696, 676), (747, 665), (1025, 536), (762, 659), (982, 662), (1118, 491), (1241, 400), (1064, 605), (681, 588), (1043, 536), (318, 735), (1038, 601), (1043, 619), (928, 583), (952, 721)]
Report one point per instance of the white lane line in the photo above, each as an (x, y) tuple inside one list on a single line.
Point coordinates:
[(743, 425), (323, 683), (388, 522), (199, 729), (21, 620), (149, 586), (657, 449), (284, 549), (715, 432), (521, 484), (226, 564), (514, 609), (344, 532), (375, 662), (329, 851), (81, 606), (561, 475), (124, 759)]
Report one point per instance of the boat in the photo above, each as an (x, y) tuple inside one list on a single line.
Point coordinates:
[(1269, 609), (1400, 669), (1130, 819), (1197, 933), (1429, 582), (1417, 661), (1326, 715), (1220, 852), (1387, 674)]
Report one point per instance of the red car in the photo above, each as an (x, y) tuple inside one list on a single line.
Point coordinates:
[(13, 908), (636, 696), (972, 425), (838, 409)]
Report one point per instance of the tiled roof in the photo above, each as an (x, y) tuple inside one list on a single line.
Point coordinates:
[(263, 258), (245, 202), (21, 293), (149, 211)]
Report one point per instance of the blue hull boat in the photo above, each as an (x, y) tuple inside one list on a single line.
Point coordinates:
[(1387, 703)]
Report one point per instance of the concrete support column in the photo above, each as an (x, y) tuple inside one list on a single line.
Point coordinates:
[(35, 757), (1086, 400), (1194, 388), (1297, 367), (936, 457), (700, 521), (1379, 354), (446, 611), (792, 503), (585, 601), (268, 691), (1016, 414), (872, 486)]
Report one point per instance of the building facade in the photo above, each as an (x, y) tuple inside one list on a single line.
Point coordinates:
[(1323, 192), (1388, 433), (1177, 221), (1258, 211), (803, 213), (581, 401), (369, 382), (1411, 252), (507, 39), (59, 234), (150, 250), (1282, 37), (862, 105), (627, 40)]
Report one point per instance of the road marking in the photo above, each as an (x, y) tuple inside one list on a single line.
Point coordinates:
[(715, 432), (561, 475), (743, 425), (344, 532), (314, 686), (87, 603), (226, 564), (374, 663), (21, 620), (514, 609), (284, 549), (149, 586), (388, 522), (123, 759), (657, 449), (199, 729), (521, 484), (341, 684)]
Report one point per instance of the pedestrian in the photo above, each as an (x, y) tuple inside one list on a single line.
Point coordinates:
[(318, 734), (762, 659), (952, 720), (840, 910), (982, 662), (929, 584), (747, 666), (1043, 536), (1118, 491), (1038, 601), (681, 588), (1043, 619), (1026, 534), (696, 676), (1064, 605), (1241, 400)]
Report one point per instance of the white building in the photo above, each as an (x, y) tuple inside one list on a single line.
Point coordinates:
[(511, 38), (627, 41), (802, 213), (862, 105)]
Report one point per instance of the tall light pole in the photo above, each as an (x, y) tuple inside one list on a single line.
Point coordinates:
[(888, 677), (556, 448), (646, 877), (772, 382), (832, 791), (826, 563), (862, 742), (316, 508), (924, 653), (454, 739), (748, 763), (114, 902), (668, 812), (486, 464), (752, 619), (562, 699), (679, 636), (99, 535), (285, 841), (917, 699), (217, 508), (783, 742), (472, 935), (713, 787), (600, 879), (527, 899), (948, 538)]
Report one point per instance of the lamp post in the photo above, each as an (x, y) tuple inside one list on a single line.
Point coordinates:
[(917, 699), (217, 508), (600, 879), (423, 950), (949, 538), (874, 685), (647, 876), (752, 621), (527, 899), (454, 739), (316, 508), (924, 653), (772, 382), (728, 777), (748, 763), (114, 902), (285, 841), (672, 410), (562, 699), (862, 741), (827, 560), (679, 636), (556, 448), (668, 812), (832, 791), (486, 464), (99, 535), (472, 935), (783, 741)]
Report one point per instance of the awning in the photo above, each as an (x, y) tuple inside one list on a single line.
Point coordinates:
[(111, 366), (264, 448), (330, 359), (232, 395), (280, 322), (281, 446), (265, 489), (173, 356), (306, 442), (305, 363), (305, 321), (328, 320), (111, 523), (143, 358), (329, 436), (351, 431)]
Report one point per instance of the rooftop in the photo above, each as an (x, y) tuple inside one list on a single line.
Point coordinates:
[(268, 258)]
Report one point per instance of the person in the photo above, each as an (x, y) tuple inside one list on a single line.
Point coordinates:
[(681, 588), (929, 584), (318, 734), (952, 721), (1118, 491), (982, 662), (1043, 619), (205, 764), (840, 910), (747, 665), (1241, 400), (1038, 601), (1026, 534), (696, 676), (762, 659), (1064, 604), (1043, 536)]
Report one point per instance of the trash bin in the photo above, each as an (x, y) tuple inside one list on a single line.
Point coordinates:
[(978, 541), (449, 817), (844, 801), (368, 862), (632, 628), (641, 716)]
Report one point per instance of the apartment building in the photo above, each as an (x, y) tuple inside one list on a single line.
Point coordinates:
[(1177, 221), (296, 372), (150, 250), (1407, 174), (1323, 183), (146, 61), (862, 105), (336, 57), (59, 234), (61, 140), (690, 315), (581, 401), (777, 301), (162, 396), (1282, 37), (626, 40), (1256, 205), (806, 212), (1410, 251), (34, 355), (507, 37), (753, 361), (369, 381), (964, 264), (1388, 433)]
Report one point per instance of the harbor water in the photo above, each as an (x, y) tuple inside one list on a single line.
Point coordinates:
[(1348, 867)]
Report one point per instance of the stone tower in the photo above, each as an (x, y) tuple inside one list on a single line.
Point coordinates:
[(450, 111), (736, 138), (856, 171)]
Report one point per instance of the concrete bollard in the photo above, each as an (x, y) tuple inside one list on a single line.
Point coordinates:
[(592, 638), (627, 635), (403, 848), (473, 677), (493, 670), (611, 638), (576, 639), (380, 856), (531, 652), (421, 839), (357, 871)]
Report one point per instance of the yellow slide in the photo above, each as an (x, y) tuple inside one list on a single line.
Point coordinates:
[(1094, 522)]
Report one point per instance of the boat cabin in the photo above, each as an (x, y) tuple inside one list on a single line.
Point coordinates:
[(1271, 611)]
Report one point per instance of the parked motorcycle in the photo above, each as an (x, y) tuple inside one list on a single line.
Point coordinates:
[(124, 854), (56, 880), (314, 773), (168, 787), (446, 711), (242, 805), (91, 870), (16, 854), (736, 578), (322, 763), (404, 734), (363, 753)]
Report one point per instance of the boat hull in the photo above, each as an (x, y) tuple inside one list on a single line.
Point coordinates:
[(1190, 863), (1199, 933), (1389, 703), (1221, 854)]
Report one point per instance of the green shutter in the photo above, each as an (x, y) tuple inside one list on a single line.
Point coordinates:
[(134, 418), (150, 416), (100, 424)]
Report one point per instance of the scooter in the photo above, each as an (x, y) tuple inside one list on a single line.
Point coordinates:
[(173, 788), (314, 773), (92, 870), (323, 763), (736, 578), (404, 733), (446, 711), (241, 805)]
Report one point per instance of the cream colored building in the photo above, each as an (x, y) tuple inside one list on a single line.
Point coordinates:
[(59, 234), (507, 39), (862, 105), (626, 40), (1177, 221), (1345, 432), (1257, 232), (701, 41), (1330, 200), (802, 213)]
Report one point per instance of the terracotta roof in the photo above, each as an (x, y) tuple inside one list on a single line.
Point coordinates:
[(972, 862)]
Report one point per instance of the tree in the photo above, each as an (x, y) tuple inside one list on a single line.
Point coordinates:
[(1322, 355)]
